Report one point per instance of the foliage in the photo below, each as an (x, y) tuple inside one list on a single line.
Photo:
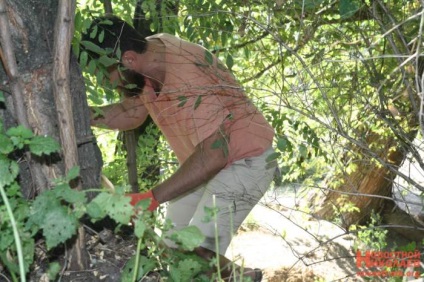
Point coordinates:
[(57, 213), (371, 237), (16, 241)]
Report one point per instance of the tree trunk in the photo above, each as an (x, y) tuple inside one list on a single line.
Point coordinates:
[(369, 188), (32, 25), (359, 187)]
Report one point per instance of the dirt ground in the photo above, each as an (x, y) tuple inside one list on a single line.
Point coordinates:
[(287, 244), (291, 246)]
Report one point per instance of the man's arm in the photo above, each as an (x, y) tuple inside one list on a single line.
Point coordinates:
[(128, 114), (200, 167)]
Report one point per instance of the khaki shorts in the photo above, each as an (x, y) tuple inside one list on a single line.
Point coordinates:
[(235, 190)]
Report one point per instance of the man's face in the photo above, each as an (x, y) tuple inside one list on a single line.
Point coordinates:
[(128, 82)]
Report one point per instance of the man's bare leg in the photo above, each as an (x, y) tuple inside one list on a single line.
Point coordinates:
[(225, 265)]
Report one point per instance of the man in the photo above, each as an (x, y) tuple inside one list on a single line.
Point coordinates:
[(219, 137)]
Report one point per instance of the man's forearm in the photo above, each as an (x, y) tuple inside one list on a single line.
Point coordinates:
[(200, 167), (126, 115)]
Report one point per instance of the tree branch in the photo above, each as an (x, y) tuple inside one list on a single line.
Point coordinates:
[(61, 83), (62, 94), (107, 4)]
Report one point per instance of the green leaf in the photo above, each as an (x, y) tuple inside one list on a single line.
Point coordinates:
[(94, 32), (92, 66), (19, 135), (106, 22), (53, 271), (145, 266), (220, 143), (101, 36), (83, 59), (90, 46), (198, 101), (186, 270), (2, 99), (229, 61), (58, 226), (46, 145), (303, 150), (6, 145), (95, 211), (70, 195), (273, 157), (348, 8), (208, 57), (9, 170), (41, 206), (78, 21), (107, 61), (188, 238), (116, 206), (6, 238), (73, 173), (283, 144), (20, 131), (183, 100), (139, 227)]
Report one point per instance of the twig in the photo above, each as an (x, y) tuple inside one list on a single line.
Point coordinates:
[(4, 276)]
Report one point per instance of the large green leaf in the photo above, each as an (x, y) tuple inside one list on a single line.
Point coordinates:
[(43, 145), (188, 238), (116, 206), (58, 226)]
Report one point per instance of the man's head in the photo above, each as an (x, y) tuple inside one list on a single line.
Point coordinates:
[(115, 38)]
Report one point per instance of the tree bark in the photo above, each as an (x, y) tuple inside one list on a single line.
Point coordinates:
[(7, 57), (364, 188), (47, 72), (32, 24)]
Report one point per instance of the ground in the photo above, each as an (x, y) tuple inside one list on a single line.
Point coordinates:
[(287, 244), (292, 246)]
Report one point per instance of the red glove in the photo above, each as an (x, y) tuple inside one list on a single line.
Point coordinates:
[(137, 197)]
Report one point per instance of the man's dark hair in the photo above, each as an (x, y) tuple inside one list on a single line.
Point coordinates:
[(114, 35)]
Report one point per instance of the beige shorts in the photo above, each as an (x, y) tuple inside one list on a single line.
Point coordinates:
[(235, 191)]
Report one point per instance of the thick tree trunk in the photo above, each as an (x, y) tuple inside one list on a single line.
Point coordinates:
[(363, 187), (32, 26), (369, 188)]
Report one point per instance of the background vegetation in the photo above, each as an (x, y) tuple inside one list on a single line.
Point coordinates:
[(340, 81)]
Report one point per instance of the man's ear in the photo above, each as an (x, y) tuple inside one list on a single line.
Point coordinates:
[(129, 59)]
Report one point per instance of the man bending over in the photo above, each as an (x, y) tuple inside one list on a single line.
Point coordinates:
[(220, 138)]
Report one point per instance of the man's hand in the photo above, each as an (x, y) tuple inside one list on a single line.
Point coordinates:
[(137, 197)]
